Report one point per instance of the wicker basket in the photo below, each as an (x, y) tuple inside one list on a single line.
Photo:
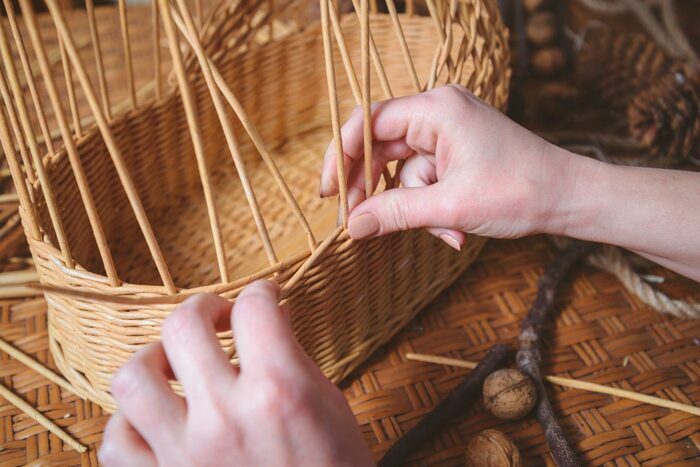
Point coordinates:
[(132, 214)]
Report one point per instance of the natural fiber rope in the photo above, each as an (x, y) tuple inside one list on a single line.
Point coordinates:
[(611, 259)]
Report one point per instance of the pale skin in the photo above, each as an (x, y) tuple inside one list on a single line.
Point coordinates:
[(469, 169)]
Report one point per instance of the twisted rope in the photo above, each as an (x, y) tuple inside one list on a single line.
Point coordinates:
[(611, 259)]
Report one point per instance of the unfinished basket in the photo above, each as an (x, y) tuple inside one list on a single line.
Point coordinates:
[(139, 205)]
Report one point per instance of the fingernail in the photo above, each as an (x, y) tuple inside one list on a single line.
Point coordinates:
[(364, 225), (450, 240)]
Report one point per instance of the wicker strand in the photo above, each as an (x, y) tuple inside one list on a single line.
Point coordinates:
[(76, 164), (335, 115), (126, 45), (571, 383), (21, 144), (40, 418), (253, 133), (373, 51), (17, 175), (32, 364), (157, 78), (29, 75), (115, 153), (197, 142), (28, 131), (366, 95), (70, 88), (405, 51), (345, 55), (97, 51)]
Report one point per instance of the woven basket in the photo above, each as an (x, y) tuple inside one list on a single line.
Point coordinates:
[(132, 214)]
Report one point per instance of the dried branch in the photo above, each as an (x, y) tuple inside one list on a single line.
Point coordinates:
[(464, 394), (529, 358)]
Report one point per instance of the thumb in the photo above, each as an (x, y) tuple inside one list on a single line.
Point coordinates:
[(396, 210)]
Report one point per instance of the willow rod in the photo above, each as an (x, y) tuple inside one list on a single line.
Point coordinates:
[(29, 362), (69, 143), (126, 45), (28, 130), (252, 132), (571, 383), (335, 114), (95, 37), (29, 76), (189, 105), (113, 149), (72, 102), (229, 135), (155, 24), (366, 96), (40, 418)]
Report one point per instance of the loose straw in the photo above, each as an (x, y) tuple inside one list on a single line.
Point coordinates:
[(38, 417), (32, 364), (571, 383)]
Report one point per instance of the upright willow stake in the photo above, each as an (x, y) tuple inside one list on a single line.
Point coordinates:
[(189, 105), (112, 147), (335, 116), (366, 96), (529, 358)]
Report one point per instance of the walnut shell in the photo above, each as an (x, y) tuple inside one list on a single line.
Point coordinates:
[(548, 60), (509, 394), (491, 448), (541, 28)]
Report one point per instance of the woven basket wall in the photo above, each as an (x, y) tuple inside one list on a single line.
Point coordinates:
[(346, 297)]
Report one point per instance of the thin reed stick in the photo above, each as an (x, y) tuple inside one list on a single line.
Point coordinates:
[(95, 37), (40, 418), (366, 95), (253, 133), (309, 263), (28, 130), (72, 103), (345, 55), (198, 144), (112, 148), (29, 75), (248, 189), (199, 16), (374, 53), (29, 362), (405, 51), (74, 159), (335, 114), (571, 383), (126, 44), (21, 144), (18, 177), (155, 21)]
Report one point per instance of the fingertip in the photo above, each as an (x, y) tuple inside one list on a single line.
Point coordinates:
[(265, 288)]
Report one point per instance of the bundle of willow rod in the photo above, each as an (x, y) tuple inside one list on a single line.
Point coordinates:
[(205, 178)]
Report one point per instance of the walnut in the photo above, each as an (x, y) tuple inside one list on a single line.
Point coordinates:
[(491, 448), (509, 394)]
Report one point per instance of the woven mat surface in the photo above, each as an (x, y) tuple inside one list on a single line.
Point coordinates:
[(603, 335)]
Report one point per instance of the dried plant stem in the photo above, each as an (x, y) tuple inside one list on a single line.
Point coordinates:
[(529, 358), (466, 392), (29, 362), (570, 383), (40, 418)]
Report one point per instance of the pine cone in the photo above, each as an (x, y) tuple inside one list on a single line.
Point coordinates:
[(615, 67), (666, 117)]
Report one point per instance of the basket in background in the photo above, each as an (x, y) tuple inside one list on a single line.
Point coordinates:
[(141, 206)]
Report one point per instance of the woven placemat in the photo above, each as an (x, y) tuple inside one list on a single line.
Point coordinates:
[(603, 335)]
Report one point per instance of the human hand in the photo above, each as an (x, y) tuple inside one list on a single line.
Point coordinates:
[(277, 409), (469, 168)]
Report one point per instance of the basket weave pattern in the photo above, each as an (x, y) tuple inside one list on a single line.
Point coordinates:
[(347, 297)]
